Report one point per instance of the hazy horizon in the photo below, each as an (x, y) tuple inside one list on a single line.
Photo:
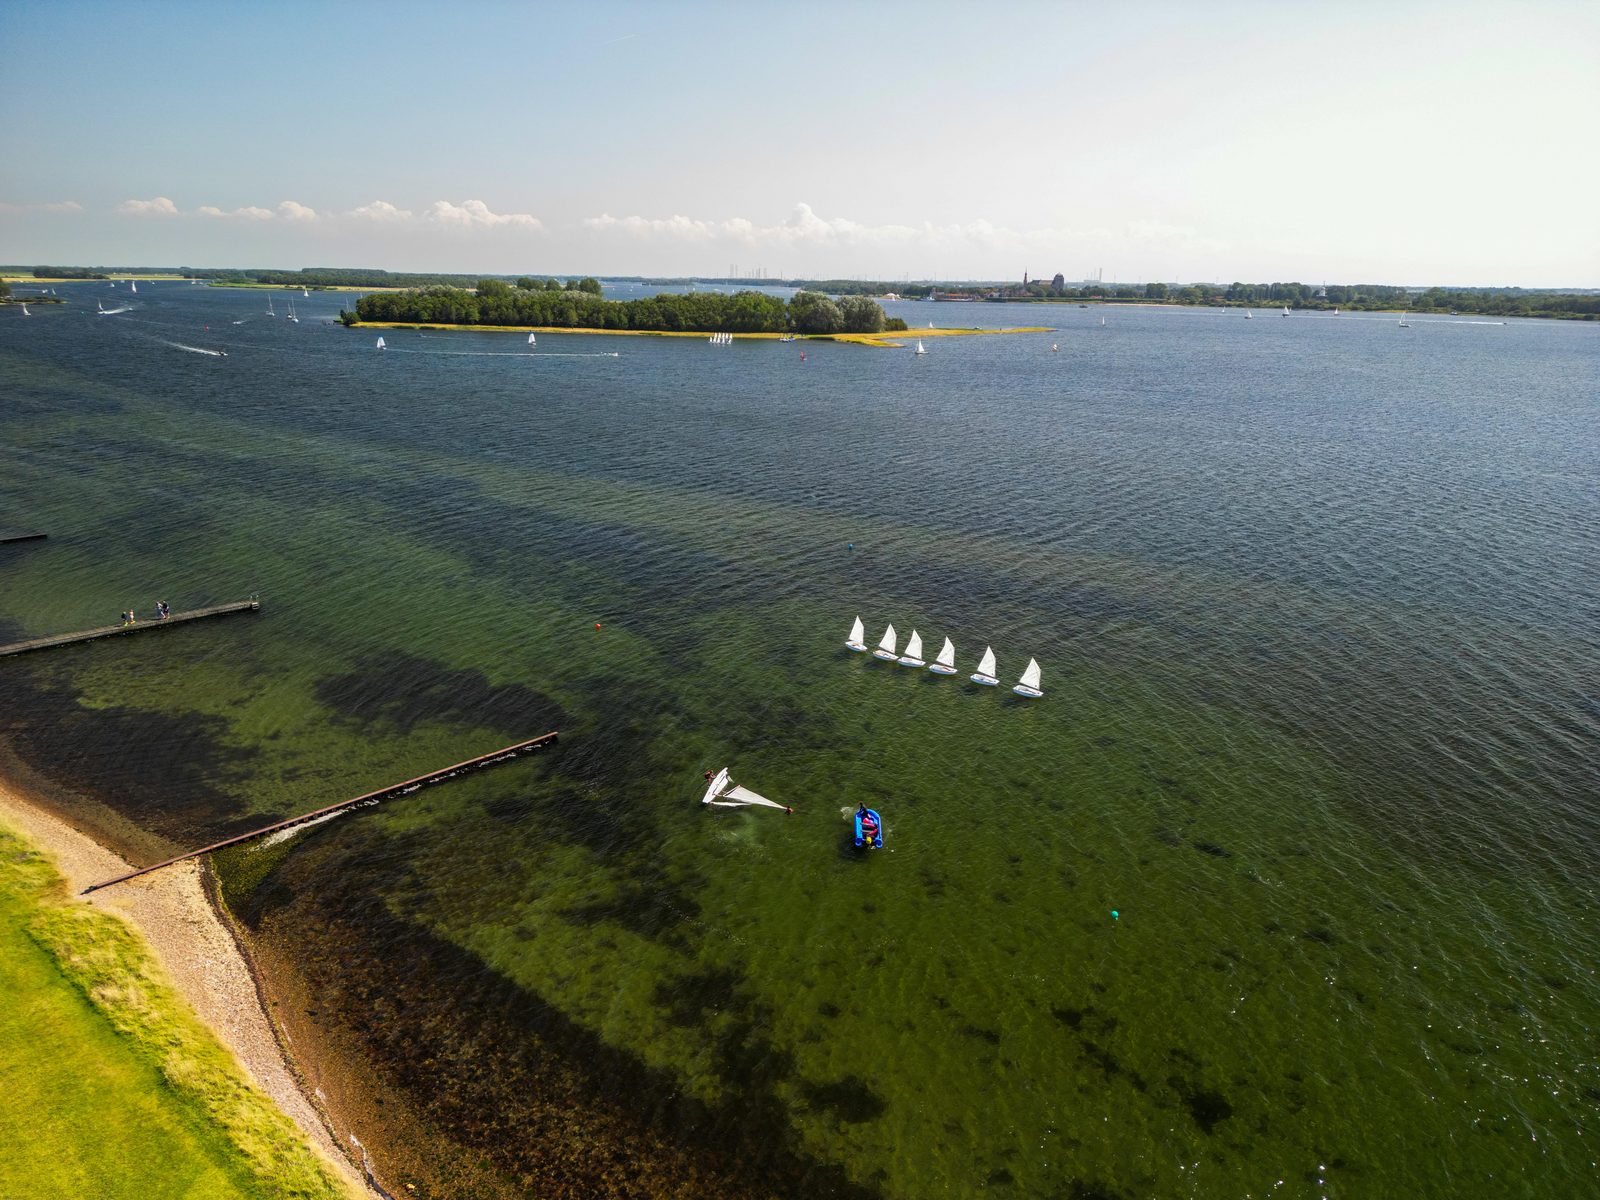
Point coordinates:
[(1409, 144)]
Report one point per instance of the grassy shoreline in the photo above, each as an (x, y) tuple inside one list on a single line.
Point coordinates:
[(894, 340), (142, 1096)]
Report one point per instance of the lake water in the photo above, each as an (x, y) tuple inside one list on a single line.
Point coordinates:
[(1286, 887)]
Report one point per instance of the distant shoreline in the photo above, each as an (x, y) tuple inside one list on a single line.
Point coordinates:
[(885, 340)]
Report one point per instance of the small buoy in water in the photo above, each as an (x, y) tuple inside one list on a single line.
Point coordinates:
[(1113, 914), (849, 545), (597, 624)]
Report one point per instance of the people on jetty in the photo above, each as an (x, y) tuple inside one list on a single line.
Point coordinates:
[(128, 618), (162, 611)]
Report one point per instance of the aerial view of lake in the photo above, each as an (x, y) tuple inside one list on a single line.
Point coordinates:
[(1286, 886)]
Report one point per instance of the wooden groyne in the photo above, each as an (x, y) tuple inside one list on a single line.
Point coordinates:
[(22, 537), (394, 789), (140, 626)]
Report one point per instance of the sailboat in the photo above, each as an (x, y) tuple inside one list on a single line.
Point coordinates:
[(531, 340), (913, 655), (723, 792), (1102, 322), (291, 316), (270, 312), (985, 672), (1248, 315), (134, 284), (857, 640), (1404, 324), (25, 311), (885, 648), (920, 349), (1054, 348), (945, 664), (305, 293), (1029, 684), (1286, 310), (381, 345), (98, 307)]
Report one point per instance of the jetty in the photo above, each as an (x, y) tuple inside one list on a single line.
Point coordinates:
[(403, 788), (138, 626), (22, 537)]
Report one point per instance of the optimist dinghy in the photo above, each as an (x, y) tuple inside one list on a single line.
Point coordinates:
[(723, 792), (857, 640), (985, 673), (886, 650), (1029, 686), (945, 664), (913, 655)]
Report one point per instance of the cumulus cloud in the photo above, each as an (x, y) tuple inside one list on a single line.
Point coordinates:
[(381, 210), (54, 206), (291, 210), (475, 214), (802, 226), (248, 213), (159, 207)]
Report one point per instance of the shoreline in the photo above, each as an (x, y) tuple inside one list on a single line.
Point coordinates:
[(888, 339), (176, 915)]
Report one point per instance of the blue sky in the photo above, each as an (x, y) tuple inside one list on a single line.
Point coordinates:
[(1397, 142)]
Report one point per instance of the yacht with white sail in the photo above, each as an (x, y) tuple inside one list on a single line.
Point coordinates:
[(532, 341), (920, 348), (886, 650), (1029, 684), (945, 664), (913, 655), (857, 640), (382, 345), (985, 672)]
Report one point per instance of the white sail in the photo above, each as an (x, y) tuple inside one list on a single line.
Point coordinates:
[(305, 293), (25, 311), (1031, 675), (945, 664), (985, 672), (531, 342), (723, 792), (134, 284), (381, 345), (920, 350), (886, 646), (858, 636), (913, 655)]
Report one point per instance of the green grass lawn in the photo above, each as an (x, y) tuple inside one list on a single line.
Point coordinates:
[(109, 1086)]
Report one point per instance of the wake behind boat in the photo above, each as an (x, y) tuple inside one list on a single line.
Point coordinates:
[(723, 792)]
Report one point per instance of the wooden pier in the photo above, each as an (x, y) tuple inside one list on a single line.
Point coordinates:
[(22, 537), (139, 626), (396, 789)]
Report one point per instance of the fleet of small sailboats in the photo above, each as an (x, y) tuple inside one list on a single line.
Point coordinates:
[(945, 662), (721, 339)]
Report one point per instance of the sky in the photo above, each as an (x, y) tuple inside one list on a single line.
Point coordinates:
[(1404, 142)]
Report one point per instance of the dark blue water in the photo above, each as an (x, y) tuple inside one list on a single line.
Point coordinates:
[(1315, 599)]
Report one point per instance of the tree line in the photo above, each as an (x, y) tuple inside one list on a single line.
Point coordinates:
[(495, 302)]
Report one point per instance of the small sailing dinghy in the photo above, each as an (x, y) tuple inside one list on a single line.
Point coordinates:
[(857, 640), (134, 284), (25, 311), (382, 345), (869, 829), (1029, 686), (920, 349), (531, 340), (886, 650), (985, 672), (723, 792), (945, 664), (913, 655)]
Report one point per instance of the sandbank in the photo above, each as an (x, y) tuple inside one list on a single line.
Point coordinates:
[(896, 339), (174, 913)]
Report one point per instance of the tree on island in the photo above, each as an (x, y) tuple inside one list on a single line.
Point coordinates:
[(812, 312)]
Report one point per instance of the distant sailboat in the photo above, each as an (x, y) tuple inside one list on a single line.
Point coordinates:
[(270, 311), (1054, 348), (1248, 315), (913, 655), (920, 349), (857, 640), (291, 316), (134, 284), (381, 345), (985, 672), (1029, 685), (305, 293), (98, 307), (1102, 322), (1286, 310), (945, 664), (885, 648), (531, 340), (1404, 324), (25, 311)]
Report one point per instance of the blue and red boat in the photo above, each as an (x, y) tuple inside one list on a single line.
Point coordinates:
[(869, 829)]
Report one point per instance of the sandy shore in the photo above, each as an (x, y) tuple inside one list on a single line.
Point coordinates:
[(197, 951)]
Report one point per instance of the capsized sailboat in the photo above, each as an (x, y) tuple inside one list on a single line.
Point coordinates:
[(723, 792), (886, 650), (985, 672), (945, 664), (913, 655), (1029, 686), (858, 637)]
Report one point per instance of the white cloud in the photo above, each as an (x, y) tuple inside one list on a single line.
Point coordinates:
[(55, 206), (381, 210), (802, 226), (475, 214), (291, 210), (159, 207), (248, 213)]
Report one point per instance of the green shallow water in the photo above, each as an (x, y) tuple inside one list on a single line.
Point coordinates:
[(1316, 613)]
